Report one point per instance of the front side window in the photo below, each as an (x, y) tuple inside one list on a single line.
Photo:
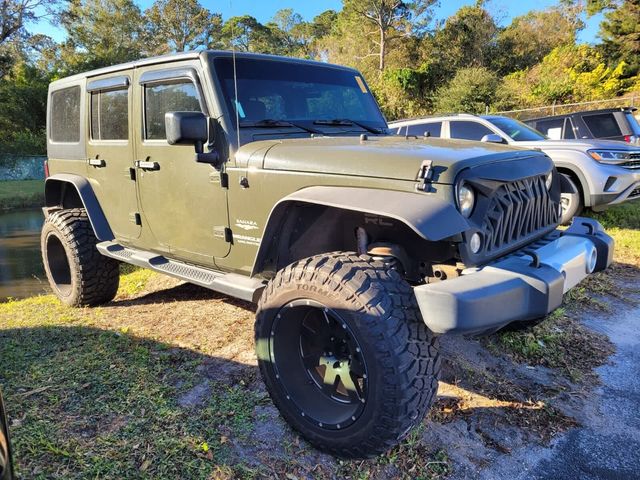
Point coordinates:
[(110, 115), (516, 130), (65, 115), (602, 125), (167, 97), (468, 130)]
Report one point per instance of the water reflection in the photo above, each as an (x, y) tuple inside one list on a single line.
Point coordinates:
[(21, 271)]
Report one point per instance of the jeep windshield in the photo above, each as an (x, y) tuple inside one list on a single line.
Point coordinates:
[(276, 94), (516, 130)]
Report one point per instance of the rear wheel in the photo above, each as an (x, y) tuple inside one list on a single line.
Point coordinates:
[(345, 354), (77, 272)]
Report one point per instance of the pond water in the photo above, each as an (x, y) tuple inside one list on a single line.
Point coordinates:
[(21, 271)]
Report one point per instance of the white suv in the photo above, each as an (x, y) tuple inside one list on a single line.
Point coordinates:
[(602, 172)]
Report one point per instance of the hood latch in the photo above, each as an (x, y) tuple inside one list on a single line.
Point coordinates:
[(425, 175)]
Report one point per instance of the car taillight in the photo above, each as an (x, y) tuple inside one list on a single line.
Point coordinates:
[(627, 138), (46, 169)]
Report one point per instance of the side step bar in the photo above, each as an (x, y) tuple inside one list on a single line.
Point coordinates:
[(233, 284)]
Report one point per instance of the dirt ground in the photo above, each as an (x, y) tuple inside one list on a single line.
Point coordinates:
[(494, 408)]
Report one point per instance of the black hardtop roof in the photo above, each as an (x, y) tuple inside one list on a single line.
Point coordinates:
[(208, 54), (584, 112)]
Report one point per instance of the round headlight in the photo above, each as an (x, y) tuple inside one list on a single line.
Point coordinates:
[(548, 181), (466, 200)]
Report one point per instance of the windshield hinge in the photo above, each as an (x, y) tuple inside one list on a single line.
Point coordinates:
[(425, 175)]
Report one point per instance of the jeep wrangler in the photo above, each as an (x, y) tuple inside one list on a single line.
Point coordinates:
[(276, 181)]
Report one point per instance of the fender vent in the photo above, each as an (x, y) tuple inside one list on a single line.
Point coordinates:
[(518, 210)]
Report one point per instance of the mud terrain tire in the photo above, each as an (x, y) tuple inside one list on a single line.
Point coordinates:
[(78, 274), (368, 315)]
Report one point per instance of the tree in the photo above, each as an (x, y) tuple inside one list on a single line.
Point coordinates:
[(620, 32), (470, 91), (246, 34), (14, 14), (468, 39), (100, 33), (530, 37), (179, 25), (391, 19)]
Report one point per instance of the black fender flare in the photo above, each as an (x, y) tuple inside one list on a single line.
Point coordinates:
[(430, 217), (53, 195)]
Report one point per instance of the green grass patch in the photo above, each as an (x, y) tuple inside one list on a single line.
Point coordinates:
[(16, 194)]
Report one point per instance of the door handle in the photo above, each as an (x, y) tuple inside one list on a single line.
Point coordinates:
[(97, 162), (146, 165)]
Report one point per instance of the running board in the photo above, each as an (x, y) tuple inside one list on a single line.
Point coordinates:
[(233, 284)]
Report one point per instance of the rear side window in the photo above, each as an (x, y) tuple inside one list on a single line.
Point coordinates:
[(65, 115), (551, 128), (110, 115), (602, 125), (428, 129), (468, 130), (162, 98)]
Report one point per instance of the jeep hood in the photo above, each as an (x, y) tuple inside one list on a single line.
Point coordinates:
[(389, 157)]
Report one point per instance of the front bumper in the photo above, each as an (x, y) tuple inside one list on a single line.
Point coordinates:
[(522, 286)]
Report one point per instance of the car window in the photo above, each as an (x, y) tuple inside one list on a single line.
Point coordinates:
[(552, 128), (162, 98), (65, 115), (110, 115), (428, 129), (468, 130), (515, 129), (568, 129), (602, 125)]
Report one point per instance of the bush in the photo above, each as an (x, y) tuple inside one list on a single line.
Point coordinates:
[(470, 91)]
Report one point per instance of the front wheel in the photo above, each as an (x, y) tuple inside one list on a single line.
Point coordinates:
[(572, 204), (344, 353)]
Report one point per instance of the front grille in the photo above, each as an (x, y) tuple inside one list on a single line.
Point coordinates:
[(631, 165), (517, 211)]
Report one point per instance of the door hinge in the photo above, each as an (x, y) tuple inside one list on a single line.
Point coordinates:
[(132, 173), (228, 235), (425, 175), (224, 180), (136, 218)]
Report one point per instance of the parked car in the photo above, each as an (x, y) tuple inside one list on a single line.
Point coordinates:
[(275, 180), (6, 462), (610, 124), (601, 172)]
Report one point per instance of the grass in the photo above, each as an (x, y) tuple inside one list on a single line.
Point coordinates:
[(16, 194), (161, 383)]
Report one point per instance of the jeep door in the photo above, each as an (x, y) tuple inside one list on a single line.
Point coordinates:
[(110, 152), (184, 205)]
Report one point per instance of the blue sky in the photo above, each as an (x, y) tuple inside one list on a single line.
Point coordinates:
[(263, 10)]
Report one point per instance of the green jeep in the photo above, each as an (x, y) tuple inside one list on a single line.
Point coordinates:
[(359, 247)]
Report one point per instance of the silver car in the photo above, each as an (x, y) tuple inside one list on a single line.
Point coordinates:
[(602, 172)]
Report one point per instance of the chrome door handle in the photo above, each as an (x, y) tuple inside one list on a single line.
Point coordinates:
[(97, 162), (146, 165)]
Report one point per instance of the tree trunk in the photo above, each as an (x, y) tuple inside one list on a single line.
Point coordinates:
[(383, 49)]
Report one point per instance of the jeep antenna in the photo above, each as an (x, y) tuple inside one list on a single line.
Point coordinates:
[(235, 75)]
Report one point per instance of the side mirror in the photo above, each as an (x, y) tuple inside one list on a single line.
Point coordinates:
[(493, 138), (190, 128), (6, 465)]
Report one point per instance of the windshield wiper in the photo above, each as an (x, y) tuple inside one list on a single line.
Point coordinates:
[(273, 123), (346, 122)]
